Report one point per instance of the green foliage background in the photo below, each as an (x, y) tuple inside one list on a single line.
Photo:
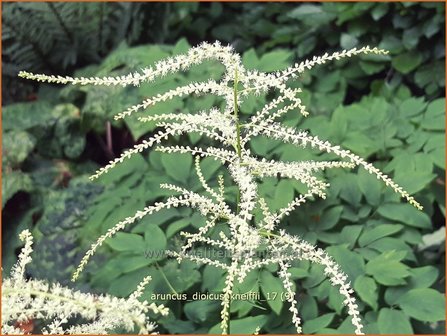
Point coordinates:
[(390, 110)]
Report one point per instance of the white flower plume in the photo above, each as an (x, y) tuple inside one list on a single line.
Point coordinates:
[(230, 137), (24, 300)]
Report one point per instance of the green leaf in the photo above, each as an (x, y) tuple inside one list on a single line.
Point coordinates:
[(275, 60), (126, 284), (434, 118), (391, 43), (306, 46), (371, 68), (131, 166), (298, 273), (308, 308), (422, 277), (201, 311), (414, 181), (284, 193), (412, 107), (438, 157), (410, 37), (126, 263), (350, 262), (176, 226), (139, 128), (350, 190), (16, 147), (181, 47), (349, 235), (313, 326), (348, 41), (246, 325), (158, 218), (392, 321), (336, 300), (13, 182), (24, 116), (329, 218), (262, 146), (380, 231), (311, 14), (209, 168), (177, 166), (366, 289), (213, 279), (155, 242), (433, 73), (379, 11), (371, 188), (405, 63), (129, 242), (181, 276), (387, 269), (360, 143), (250, 59), (423, 304), (406, 214), (269, 284), (389, 243)]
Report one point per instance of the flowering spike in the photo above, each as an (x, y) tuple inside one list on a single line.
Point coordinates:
[(244, 232)]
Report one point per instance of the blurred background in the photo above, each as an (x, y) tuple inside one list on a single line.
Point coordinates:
[(388, 109)]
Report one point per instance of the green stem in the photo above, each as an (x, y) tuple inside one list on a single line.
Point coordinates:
[(236, 115), (238, 129), (239, 154)]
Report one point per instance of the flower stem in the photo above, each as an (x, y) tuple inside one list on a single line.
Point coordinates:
[(239, 154), (236, 115)]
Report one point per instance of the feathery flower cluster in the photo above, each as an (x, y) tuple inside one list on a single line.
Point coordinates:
[(24, 300), (233, 135)]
